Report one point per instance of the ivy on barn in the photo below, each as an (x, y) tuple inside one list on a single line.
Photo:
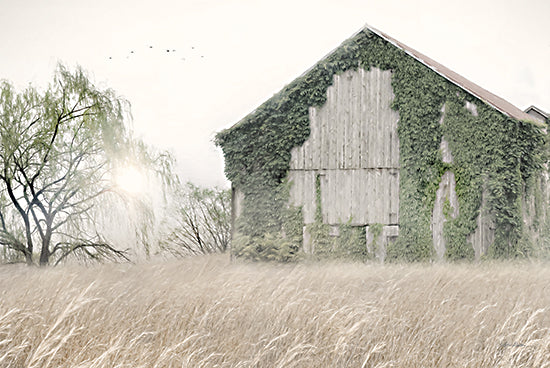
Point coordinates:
[(492, 153)]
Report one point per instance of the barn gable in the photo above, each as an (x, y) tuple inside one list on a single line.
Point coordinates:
[(379, 137)]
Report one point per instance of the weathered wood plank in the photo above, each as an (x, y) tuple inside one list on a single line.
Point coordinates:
[(351, 142), (323, 139), (379, 160), (445, 192), (313, 139), (394, 197), (308, 204), (385, 122), (373, 144), (343, 105), (364, 119), (354, 144), (363, 194), (356, 120), (331, 105)]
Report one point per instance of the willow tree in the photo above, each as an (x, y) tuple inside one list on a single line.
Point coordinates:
[(59, 148)]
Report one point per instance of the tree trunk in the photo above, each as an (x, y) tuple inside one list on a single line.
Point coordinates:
[(45, 251), (44, 256), (30, 246), (28, 258)]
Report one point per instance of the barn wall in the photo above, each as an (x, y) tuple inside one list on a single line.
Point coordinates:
[(484, 234), (237, 202), (354, 148)]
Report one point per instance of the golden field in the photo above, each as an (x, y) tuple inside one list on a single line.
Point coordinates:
[(209, 312)]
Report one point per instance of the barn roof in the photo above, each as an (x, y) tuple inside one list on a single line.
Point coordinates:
[(543, 115), (491, 99)]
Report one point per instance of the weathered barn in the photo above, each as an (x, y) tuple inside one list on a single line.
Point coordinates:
[(382, 138)]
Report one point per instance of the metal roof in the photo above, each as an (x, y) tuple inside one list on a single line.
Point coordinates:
[(538, 111), (491, 99)]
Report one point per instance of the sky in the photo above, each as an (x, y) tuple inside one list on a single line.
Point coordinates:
[(191, 68)]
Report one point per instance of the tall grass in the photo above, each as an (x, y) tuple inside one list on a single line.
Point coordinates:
[(208, 312)]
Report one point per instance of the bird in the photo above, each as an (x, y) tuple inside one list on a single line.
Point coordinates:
[(167, 50)]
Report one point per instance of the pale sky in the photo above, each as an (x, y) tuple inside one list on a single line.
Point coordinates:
[(232, 55)]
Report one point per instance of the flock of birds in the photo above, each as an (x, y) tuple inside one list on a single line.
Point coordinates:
[(165, 51)]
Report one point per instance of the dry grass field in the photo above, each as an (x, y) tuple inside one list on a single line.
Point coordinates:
[(208, 312)]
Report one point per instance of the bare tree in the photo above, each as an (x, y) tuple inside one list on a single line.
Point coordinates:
[(202, 222), (57, 154)]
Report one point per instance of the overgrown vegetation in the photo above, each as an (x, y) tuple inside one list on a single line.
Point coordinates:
[(494, 154), (282, 239)]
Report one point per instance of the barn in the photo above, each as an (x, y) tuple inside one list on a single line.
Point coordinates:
[(378, 139)]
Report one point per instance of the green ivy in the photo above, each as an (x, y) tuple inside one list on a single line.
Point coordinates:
[(376, 231), (492, 154)]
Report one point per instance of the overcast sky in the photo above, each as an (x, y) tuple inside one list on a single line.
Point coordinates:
[(228, 56)]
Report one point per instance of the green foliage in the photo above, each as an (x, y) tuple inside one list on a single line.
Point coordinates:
[(58, 153), (376, 231), (292, 232), (492, 154), (282, 239), (267, 247), (349, 244)]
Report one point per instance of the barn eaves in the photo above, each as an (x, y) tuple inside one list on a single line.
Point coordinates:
[(491, 99)]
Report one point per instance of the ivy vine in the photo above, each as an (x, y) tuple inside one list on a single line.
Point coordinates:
[(493, 154)]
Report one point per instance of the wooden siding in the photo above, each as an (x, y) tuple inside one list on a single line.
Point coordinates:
[(354, 148), (445, 193), (366, 196), (377, 247), (484, 235), (534, 209)]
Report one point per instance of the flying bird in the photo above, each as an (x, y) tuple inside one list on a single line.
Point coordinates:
[(168, 50)]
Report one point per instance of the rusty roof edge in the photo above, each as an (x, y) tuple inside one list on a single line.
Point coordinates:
[(458, 80)]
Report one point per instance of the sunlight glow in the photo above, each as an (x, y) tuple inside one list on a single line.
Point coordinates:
[(130, 180)]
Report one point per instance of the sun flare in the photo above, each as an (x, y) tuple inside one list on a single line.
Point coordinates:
[(130, 179)]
